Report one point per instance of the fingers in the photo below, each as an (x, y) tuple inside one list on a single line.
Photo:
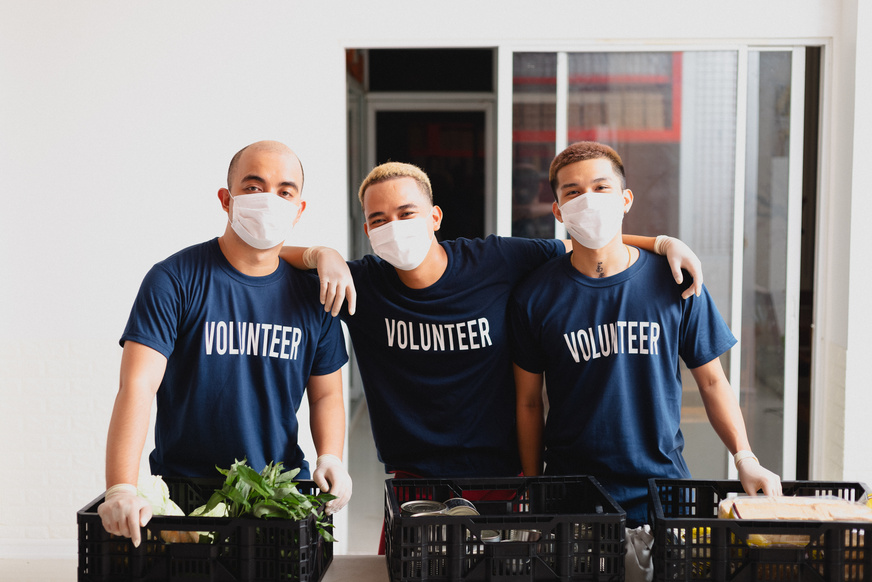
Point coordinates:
[(697, 281), (351, 297), (124, 515), (145, 515), (334, 293), (331, 477), (340, 486), (771, 485), (695, 288), (320, 481), (755, 477), (132, 524), (676, 271), (324, 292)]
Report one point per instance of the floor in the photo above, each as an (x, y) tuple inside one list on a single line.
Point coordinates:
[(57, 570)]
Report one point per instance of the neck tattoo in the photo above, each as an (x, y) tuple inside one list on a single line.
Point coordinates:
[(599, 265)]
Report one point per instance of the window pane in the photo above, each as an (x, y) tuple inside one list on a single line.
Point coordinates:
[(764, 280), (533, 127)]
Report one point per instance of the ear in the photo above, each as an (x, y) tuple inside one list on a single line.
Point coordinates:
[(365, 229), (300, 212), (628, 200), (224, 197), (436, 215), (555, 210)]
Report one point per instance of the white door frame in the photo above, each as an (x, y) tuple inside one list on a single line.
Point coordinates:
[(483, 102)]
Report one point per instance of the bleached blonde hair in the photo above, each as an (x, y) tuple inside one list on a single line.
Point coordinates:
[(394, 170)]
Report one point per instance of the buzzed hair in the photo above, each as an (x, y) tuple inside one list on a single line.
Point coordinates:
[(268, 145), (581, 151), (394, 170)]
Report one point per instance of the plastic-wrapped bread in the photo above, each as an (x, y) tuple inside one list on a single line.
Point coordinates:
[(791, 508), (823, 508)]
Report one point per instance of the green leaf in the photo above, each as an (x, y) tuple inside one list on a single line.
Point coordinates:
[(288, 475), (328, 537), (254, 480)]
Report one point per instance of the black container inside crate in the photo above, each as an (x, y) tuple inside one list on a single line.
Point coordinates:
[(692, 543), (247, 549), (548, 528)]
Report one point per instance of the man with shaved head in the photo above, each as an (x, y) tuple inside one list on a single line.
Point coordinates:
[(227, 338)]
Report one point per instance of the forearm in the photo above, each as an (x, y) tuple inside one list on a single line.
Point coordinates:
[(531, 423), (294, 256), (327, 414), (126, 439), (643, 242), (725, 416), (530, 415), (142, 370), (723, 411)]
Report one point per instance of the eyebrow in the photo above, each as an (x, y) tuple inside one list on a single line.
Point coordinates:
[(575, 185), (256, 178), (380, 213)]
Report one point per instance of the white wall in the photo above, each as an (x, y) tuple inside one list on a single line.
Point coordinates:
[(118, 119), (857, 456)]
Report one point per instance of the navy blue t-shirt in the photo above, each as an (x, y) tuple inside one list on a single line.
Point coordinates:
[(239, 351), (435, 362), (610, 349)]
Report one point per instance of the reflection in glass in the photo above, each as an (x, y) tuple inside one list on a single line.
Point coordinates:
[(533, 127)]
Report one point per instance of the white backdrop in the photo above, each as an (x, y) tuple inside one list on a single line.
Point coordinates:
[(118, 120)]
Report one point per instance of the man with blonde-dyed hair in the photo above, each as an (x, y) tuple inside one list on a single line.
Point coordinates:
[(391, 170), (428, 329)]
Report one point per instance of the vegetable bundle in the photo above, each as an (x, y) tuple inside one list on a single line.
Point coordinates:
[(272, 493)]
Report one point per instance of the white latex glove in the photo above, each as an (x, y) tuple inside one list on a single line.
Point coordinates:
[(637, 559), (331, 477), (755, 477), (337, 284), (680, 256), (123, 512)]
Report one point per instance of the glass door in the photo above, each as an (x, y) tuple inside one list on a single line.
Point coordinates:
[(711, 153)]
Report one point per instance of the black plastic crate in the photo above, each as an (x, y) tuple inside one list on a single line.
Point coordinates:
[(691, 543), (574, 531), (248, 549)]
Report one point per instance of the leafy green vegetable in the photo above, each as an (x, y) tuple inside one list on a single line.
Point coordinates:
[(272, 493)]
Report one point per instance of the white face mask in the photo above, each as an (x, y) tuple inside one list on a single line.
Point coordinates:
[(593, 219), (263, 219), (403, 243)]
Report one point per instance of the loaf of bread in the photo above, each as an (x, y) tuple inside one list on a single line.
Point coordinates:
[(791, 508), (822, 508)]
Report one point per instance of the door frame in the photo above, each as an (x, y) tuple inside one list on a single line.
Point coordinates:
[(473, 102)]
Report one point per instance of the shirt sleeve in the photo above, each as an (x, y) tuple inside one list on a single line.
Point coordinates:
[(331, 353), (528, 254), (155, 314), (704, 333)]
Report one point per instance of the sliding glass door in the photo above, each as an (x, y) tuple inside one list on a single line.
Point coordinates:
[(712, 145)]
